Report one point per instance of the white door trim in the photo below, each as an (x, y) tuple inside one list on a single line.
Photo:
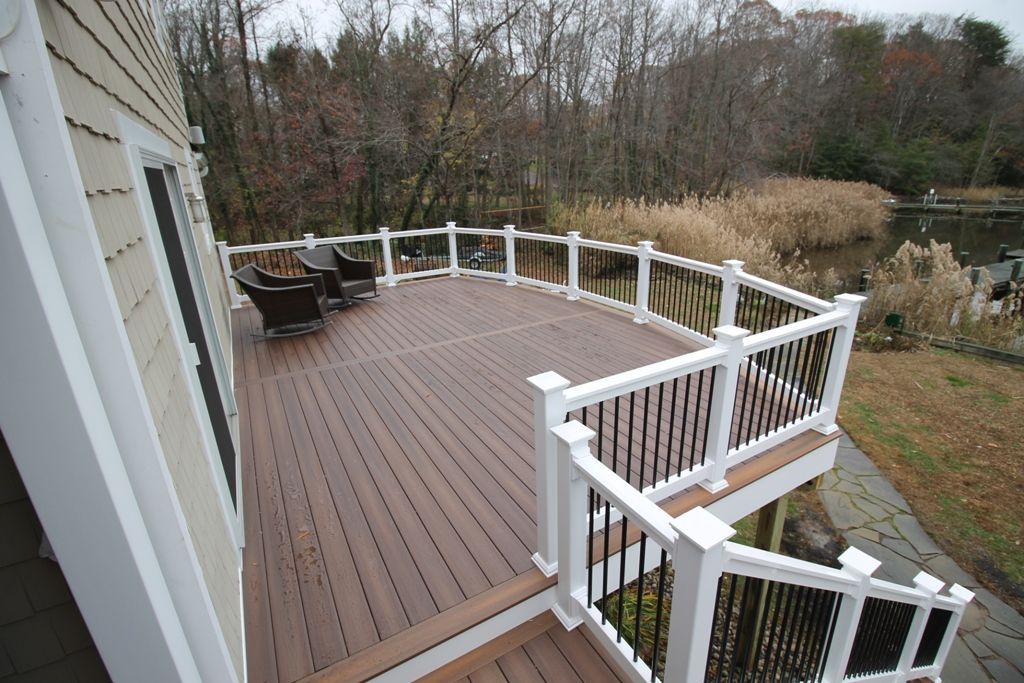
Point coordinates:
[(144, 150)]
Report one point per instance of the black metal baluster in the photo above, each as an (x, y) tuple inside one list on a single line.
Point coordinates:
[(707, 415), (671, 427), (726, 642), (622, 576), (764, 398), (657, 433), (639, 595), (658, 614), (643, 436), (590, 549), (682, 427)]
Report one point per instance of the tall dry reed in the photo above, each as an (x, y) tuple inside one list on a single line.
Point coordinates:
[(935, 296), (765, 226)]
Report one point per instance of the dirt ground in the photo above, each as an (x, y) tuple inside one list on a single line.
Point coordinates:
[(947, 429)]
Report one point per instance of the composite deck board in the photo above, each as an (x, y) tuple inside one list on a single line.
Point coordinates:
[(555, 656), (388, 461)]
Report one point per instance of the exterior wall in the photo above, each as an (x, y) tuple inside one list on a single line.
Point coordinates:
[(107, 57), (42, 635)]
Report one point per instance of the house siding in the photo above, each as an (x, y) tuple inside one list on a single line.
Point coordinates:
[(109, 57)]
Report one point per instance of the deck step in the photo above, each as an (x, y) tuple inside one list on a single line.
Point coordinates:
[(538, 651), (431, 632)]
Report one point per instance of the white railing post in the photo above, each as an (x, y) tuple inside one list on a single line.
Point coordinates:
[(225, 265), (643, 281), (859, 566), (928, 586), (510, 255), (573, 443), (548, 411), (698, 558), (453, 249), (962, 596), (730, 292), (842, 344), (723, 401), (385, 249), (310, 240), (573, 249)]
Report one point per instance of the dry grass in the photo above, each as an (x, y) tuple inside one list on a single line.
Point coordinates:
[(765, 226), (945, 429), (980, 195), (936, 297)]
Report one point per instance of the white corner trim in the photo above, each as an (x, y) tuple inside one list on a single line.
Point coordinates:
[(56, 424), (45, 146)]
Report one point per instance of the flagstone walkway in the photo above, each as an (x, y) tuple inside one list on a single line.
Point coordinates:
[(875, 518)]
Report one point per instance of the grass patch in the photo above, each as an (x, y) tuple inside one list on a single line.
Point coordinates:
[(945, 428)]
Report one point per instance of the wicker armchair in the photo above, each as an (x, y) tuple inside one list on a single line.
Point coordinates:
[(289, 305), (345, 277)]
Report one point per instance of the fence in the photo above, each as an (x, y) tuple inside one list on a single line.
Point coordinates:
[(703, 608)]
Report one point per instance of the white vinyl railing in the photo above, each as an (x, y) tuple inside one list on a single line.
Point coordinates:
[(699, 301), (836, 623)]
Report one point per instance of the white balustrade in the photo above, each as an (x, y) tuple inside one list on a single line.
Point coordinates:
[(510, 255), (643, 281)]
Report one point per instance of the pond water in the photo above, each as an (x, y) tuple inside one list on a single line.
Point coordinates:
[(980, 237)]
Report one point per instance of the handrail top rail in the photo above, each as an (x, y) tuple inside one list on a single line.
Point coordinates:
[(792, 331), (757, 563), (894, 592), (268, 246), (605, 388), (787, 294), (346, 239), (673, 259), (609, 246), (633, 504), (540, 237), (418, 232)]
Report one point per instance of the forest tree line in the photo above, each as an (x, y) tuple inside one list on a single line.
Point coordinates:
[(459, 110)]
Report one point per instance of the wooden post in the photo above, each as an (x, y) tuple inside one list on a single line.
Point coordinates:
[(643, 281), (842, 345), (723, 400), (858, 566), (1001, 254), (1015, 269), (698, 557), (573, 443), (453, 249), (510, 255), (865, 279), (573, 249), (548, 411), (385, 248), (964, 256), (770, 520), (730, 292)]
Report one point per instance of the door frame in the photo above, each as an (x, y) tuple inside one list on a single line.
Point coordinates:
[(146, 150)]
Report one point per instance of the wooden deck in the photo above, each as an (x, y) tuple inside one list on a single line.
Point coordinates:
[(388, 476)]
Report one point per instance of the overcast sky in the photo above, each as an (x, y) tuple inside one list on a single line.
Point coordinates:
[(1007, 13)]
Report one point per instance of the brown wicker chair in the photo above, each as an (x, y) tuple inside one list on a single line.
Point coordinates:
[(345, 277), (290, 304)]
